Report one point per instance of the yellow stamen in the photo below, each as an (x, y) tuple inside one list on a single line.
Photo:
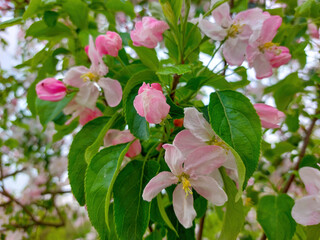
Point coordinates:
[(234, 30), (89, 76), (270, 46), (184, 179)]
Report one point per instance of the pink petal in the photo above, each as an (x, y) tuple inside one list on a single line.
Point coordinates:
[(306, 211), (138, 105), (88, 114), (187, 142), (157, 183), (234, 51), (311, 179), (262, 67), (112, 91), (222, 15), (197, 124), (173, 158), (73, 76), (209, 188), (204, 160), (87, 95), (109, 138), (270, 117), (93, 53), (212, 30), (134, 150), (269, 28), (183, 206)]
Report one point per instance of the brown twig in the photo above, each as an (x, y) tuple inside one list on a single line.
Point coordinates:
[(199, 236), (176, 79), (12, 174)]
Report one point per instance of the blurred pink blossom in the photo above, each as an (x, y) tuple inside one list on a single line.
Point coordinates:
[(109, 44), (270, 117), (313, 30)]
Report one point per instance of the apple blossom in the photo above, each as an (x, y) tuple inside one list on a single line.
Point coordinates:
[(313, 30), (148, 32), (51, 89), (269, 116), (110, 43), (236, 32), (151, 103), (306, 210), (114, 137), (189, 173), (262, 54), (88, 80)]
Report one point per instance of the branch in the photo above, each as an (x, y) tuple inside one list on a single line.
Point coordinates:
[(176, 78), (12, 174), (199, 236)]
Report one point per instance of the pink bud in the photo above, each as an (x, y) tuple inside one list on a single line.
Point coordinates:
[(148, 32), (282, 57), (151, 103), (270, 117), (109, 44), (51, 89), (86, 49)]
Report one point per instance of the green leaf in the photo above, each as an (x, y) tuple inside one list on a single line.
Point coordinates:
[(98, 181), (236, 122), (123, 6), (177, 69), (63, 130), (310, 161), (131, 211), (77, 164), (313, 232), (78, 12), (164, 214), (48, 111), (175, 110), (234, 216), (274, 215), (33, 7), (309, 9), (147, 56), (11, 22), (138, 125), (42, 31), (50, 18)]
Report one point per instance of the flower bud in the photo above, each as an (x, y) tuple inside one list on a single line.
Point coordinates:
[(51, 89), (151, 103), (270, 117), (148, 32), (110, 44)]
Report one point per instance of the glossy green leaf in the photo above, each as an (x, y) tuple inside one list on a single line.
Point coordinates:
[(177, 69), (234, 216), (78, 12), (77, 164), (63, 130), (313, 232), (42, 31), (99, 175), (147, 56), (164, 214), (50, 18), (138, 125), (236, 122), (33, 7), (48, 111), (309, 9), (131, 211), (274, 215)]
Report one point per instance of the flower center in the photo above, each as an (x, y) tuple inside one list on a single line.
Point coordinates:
[(270, 46), (234, 30), (89, 76), (184, 179)]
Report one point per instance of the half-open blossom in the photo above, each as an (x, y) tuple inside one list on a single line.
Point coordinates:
[(270, 117), (236, 32), (148, 32), (51, 89), (114, 137), (263, 54), (189, 173), (198, 133), (85, 114), (306, 210), (110, 43), (89, 80), (151, 103)]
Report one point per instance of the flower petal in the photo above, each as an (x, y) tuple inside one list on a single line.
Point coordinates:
[(212, 30), (173, 158), (197, 124), (112, 91), (183, 206), (306, 210), (187, 142), (311, 179), (157, 183), (209, 188), (73, 76), (88, 95), (204, 160)]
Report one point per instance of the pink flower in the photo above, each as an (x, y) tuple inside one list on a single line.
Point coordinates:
[(148, 32), (151, 103), (114, 137), (88, 80), (198, 133), (51, 89), (110, 43), (262, 54), (270, 117), (189, 173), (85, 114), (236, 32), (86, 49), (313, 30), (306, 211)]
